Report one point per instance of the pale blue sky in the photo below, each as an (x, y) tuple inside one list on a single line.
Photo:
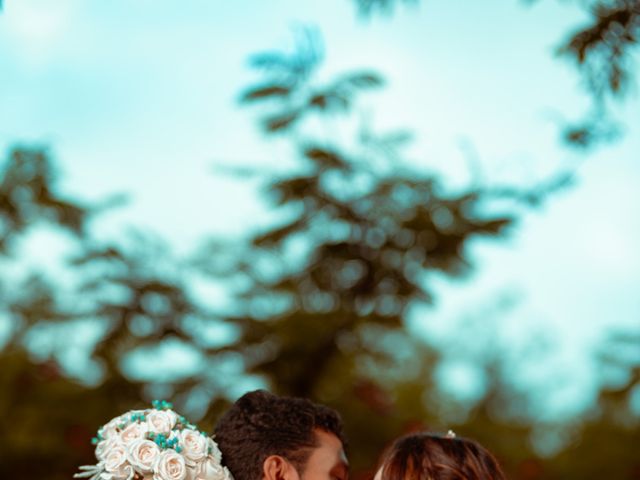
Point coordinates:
[(140, 96)]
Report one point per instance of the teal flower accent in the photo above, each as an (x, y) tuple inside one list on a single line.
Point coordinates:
[(137, 416), (161, 404)]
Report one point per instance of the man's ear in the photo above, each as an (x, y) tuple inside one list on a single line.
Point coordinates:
[(276, 467)]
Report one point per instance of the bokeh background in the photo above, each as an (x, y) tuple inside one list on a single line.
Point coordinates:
[(425, 214)]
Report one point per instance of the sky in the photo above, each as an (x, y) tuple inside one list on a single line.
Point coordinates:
[(141, 97)]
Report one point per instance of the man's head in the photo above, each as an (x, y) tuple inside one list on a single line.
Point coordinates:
[(263, 436)]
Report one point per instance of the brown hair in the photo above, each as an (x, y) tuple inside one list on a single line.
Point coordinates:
[(426, 456), (260, 424)]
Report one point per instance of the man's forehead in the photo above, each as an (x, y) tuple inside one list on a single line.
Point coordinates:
[(328, 438), (332, 443)]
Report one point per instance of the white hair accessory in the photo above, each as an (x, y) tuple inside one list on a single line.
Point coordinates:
[(450, 434)]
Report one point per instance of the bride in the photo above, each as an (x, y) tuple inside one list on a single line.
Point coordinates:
[(424, 456)]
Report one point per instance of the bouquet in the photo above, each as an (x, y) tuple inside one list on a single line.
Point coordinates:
[(154, 444)]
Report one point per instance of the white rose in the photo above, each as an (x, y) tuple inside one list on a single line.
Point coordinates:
[(194, 445), (192, 471), (111, 429), (161, 421), (104, 446), (170, 466), (134, 431), (127, 473), (210, 469), (143, 455), (214, 451), (115, 461)]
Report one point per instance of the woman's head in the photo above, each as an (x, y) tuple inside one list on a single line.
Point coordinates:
[(424, 456)]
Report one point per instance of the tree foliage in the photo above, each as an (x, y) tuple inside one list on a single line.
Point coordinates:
[(604, 51), (27, 197)]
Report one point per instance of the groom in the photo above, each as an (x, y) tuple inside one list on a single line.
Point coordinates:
[(267, 437)]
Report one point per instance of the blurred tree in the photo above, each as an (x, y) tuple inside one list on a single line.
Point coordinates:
[(323, 297), (604, 53), (130, 298), (48, 418), (607, 441), (28, 197)]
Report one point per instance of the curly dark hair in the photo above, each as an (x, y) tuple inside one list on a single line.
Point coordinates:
[(260, 424), (425, 456)]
